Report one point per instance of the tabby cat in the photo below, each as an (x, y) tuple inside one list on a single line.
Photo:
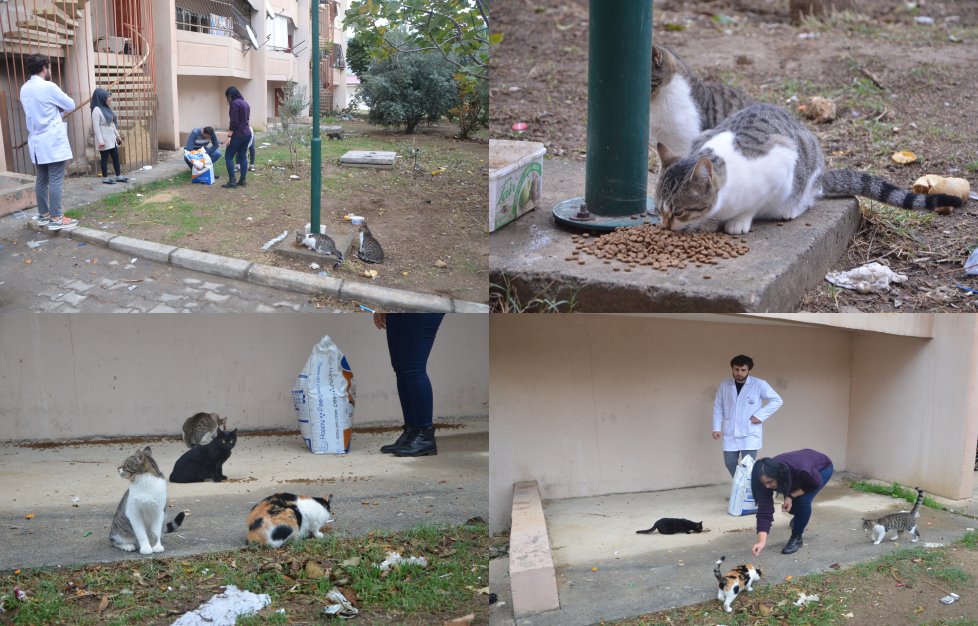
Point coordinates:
[(682, 106), (284, 517), (200, 428), (762, 163), (734, 581), (202, 462), (672, 526), (321, 243), (138, 521), (896, 521), (370, 250)]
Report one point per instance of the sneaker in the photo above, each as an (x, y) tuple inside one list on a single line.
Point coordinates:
[(242, 183), (108, 181), (121, 179), (62, 223), (251, 168), (237, 168), (43, 220), (229, 185)]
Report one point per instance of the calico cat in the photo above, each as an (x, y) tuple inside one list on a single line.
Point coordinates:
[(734, 581), (284, 517), (897, 522), (682, 106), (138, 521), (762, 163), (321, 243), (202, 462), (200, 428), (672, 526), (370, 250)]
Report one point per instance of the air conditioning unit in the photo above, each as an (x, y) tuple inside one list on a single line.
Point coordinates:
[(120, 45)]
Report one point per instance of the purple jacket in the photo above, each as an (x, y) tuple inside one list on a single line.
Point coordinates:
[(240, 114), (804, 469)]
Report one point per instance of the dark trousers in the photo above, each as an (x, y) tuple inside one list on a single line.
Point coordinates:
[(237, 150), (410, 337), (105, 154), (801, 507)]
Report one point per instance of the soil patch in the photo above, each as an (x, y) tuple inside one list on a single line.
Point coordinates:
[(898, 85)]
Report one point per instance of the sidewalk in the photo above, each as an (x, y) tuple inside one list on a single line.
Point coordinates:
[(605, 571), (371, 491)]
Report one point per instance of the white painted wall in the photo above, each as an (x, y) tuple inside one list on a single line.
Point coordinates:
[(201, 102), (69, 376), (596, 404)]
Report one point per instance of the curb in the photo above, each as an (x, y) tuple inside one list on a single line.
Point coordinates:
[(269, 276)]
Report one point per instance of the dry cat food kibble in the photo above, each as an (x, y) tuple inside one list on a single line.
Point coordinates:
[(659, 248)]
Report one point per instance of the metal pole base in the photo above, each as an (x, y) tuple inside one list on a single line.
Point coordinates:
[(569, 213)]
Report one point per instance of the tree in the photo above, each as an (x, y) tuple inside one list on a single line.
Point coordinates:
[(358, 56), (292, 104), (458, 30), (409, 88), (472, 110)]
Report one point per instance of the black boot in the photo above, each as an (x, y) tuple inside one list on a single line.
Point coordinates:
[(422, 444), (406, 435), (793, 544)]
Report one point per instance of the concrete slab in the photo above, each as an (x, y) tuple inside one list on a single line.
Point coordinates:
[(639, 574), (371, 491), (16, 192), (369, 158), (785, 259), (531, 566), (288, 249)]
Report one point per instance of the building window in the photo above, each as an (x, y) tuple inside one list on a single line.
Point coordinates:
[(223, 18), (338, 60)]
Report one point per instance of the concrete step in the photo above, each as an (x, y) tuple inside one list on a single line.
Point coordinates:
[(26, 35), (56, 15), (25, 46), (70, 7), (531, 566), (46, 25)]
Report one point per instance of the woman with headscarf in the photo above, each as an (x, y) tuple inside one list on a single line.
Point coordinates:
[(239, 136), (107, 136)]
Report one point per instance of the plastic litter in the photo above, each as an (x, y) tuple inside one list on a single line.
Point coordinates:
[(867, 278), (923, 19), (971, 265), (314, 266), (35, 244), (950, 598), (804, 598), (21, 215), (147, 168), (223, 609), (19, 594), (271, 242), (339, 606), (395, 558), (293, 177)]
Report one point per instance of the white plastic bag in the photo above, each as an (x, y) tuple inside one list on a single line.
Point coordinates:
[(324, 396), (202, 169), (971, 265), (741, 496)]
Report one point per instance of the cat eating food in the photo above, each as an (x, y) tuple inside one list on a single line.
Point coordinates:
[(673, 526), (200, 428), (734, 581), (138, 521), (896, 521), (762, 163), (321, 243), (284, 517), (202, 462)]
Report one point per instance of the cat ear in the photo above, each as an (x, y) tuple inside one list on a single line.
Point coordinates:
[(656, 56), (704, 168), (667, 156), (148, 451)]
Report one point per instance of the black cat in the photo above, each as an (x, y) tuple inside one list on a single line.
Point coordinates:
[(673, 526), (202, 462)]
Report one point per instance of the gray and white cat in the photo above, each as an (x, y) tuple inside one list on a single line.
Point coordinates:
[(896, 521), (370, 250), (682, 106), (138, 521), (761, 162), (321, 243), (200, 428)]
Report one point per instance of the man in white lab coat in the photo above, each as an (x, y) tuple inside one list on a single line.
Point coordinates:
[(44, 105), (741, 405)]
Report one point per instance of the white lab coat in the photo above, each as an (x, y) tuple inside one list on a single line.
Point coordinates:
[(43, 103), (732, 412)]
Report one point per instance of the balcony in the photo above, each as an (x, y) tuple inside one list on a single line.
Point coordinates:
[(203, 54)]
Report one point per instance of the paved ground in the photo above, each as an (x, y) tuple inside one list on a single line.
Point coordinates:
[(370, 491), (637, 574)]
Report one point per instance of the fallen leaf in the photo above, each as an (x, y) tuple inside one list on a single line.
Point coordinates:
[(765, 610), (594, 569), (350, 562), (904, 157), (788, 578), (439, 263), (465, 619), (28, 261), (103, 604), (835, 566), (919, 609), (30, 515), (313, 570)]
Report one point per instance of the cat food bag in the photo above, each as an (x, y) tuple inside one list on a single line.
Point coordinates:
[(203, 169), (741, 497), (324, 396)]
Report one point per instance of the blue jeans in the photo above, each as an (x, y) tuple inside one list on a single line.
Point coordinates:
[(410, 337), (48, 187), (801, 507), (237, 150)]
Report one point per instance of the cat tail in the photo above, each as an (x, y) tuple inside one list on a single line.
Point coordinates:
[(915, 512), (850, 183), (716, 568), (645, 532), (175, 524)]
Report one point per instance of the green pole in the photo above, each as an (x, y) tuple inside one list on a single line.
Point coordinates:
[(317, 172), (619, 71)]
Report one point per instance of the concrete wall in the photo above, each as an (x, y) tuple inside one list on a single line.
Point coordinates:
[(914, 405), (168, 123), (905, 324), (592, 404), (201, 102), (67, 376)]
